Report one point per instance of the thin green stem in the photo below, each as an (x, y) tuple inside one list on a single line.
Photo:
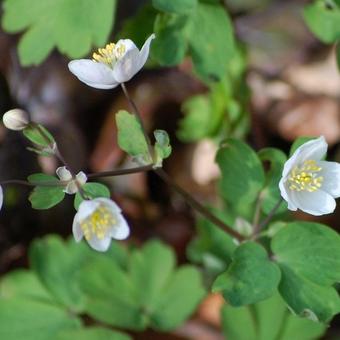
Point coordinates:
[(61, 158), (139, 117), (120, 172), (271, 214), (198, 206)]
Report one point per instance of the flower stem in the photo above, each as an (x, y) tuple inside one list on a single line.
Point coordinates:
[(61, 158), (161, 173), (268, 218), (198, 206), (120, 172), (139, 117)]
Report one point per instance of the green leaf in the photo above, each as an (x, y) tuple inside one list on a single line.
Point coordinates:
[(24, 284), (212, 247), (310, 249), (22, 319), (211, 41), (242, 172), (233, 317), (298, 142), (271, 193), (175, 6), (170, 45), (162, 146), (140, 25), (196, 123), (92, 333), (179, 299), (39, 135), (46, 197), (150, 269), (243, 282), (149, 293), (131, 137), (323, 20), (309, 257), (110, 295), (268, 320), (57, 265), (307, 299), (51, 23), (91, 190), (41, 178)]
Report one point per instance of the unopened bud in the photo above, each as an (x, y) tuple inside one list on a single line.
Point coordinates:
[(15, 119)]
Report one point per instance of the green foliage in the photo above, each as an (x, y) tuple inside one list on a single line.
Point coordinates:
[(72, 26), (212, 247), (131, 138), (211, 41), (170, 45), (92, 333), (270, 194), (150, 292), (322, 18), (242, 172), (268, 320), (309, 257), (243, 282), (220, 112), (38, 135), (162, 146), (175, 6), (45, 196), (56, 265), (33, 320), (201, 30), (91, 190)]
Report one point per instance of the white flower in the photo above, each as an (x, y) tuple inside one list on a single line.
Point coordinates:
[(15, 119), (112, 65), (99, 220), (308, 183), (73, 184), (1, 197)]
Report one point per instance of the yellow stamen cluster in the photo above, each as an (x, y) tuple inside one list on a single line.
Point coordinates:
[(98, 224), (105, 55), (305, 177)]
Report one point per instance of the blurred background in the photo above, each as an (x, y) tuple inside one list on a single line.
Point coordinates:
[(281, 82)]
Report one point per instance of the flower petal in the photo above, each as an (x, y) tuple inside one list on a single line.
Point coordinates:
[(71, 188), (126, 67), (285, 193), (122, 230), (100, 245), (144, 52), (63, 173), (315, 203), (314, 149), (81, 178), (127, 43), (86, 208), (111, 204), (1, 197), (76, 229), (94, 74), (331, 177)]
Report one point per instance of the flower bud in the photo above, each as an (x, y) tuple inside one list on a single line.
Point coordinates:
[(15, 119)]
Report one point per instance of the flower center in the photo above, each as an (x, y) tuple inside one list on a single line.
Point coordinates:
[(98, 223), (110, 54), (305, 177)]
